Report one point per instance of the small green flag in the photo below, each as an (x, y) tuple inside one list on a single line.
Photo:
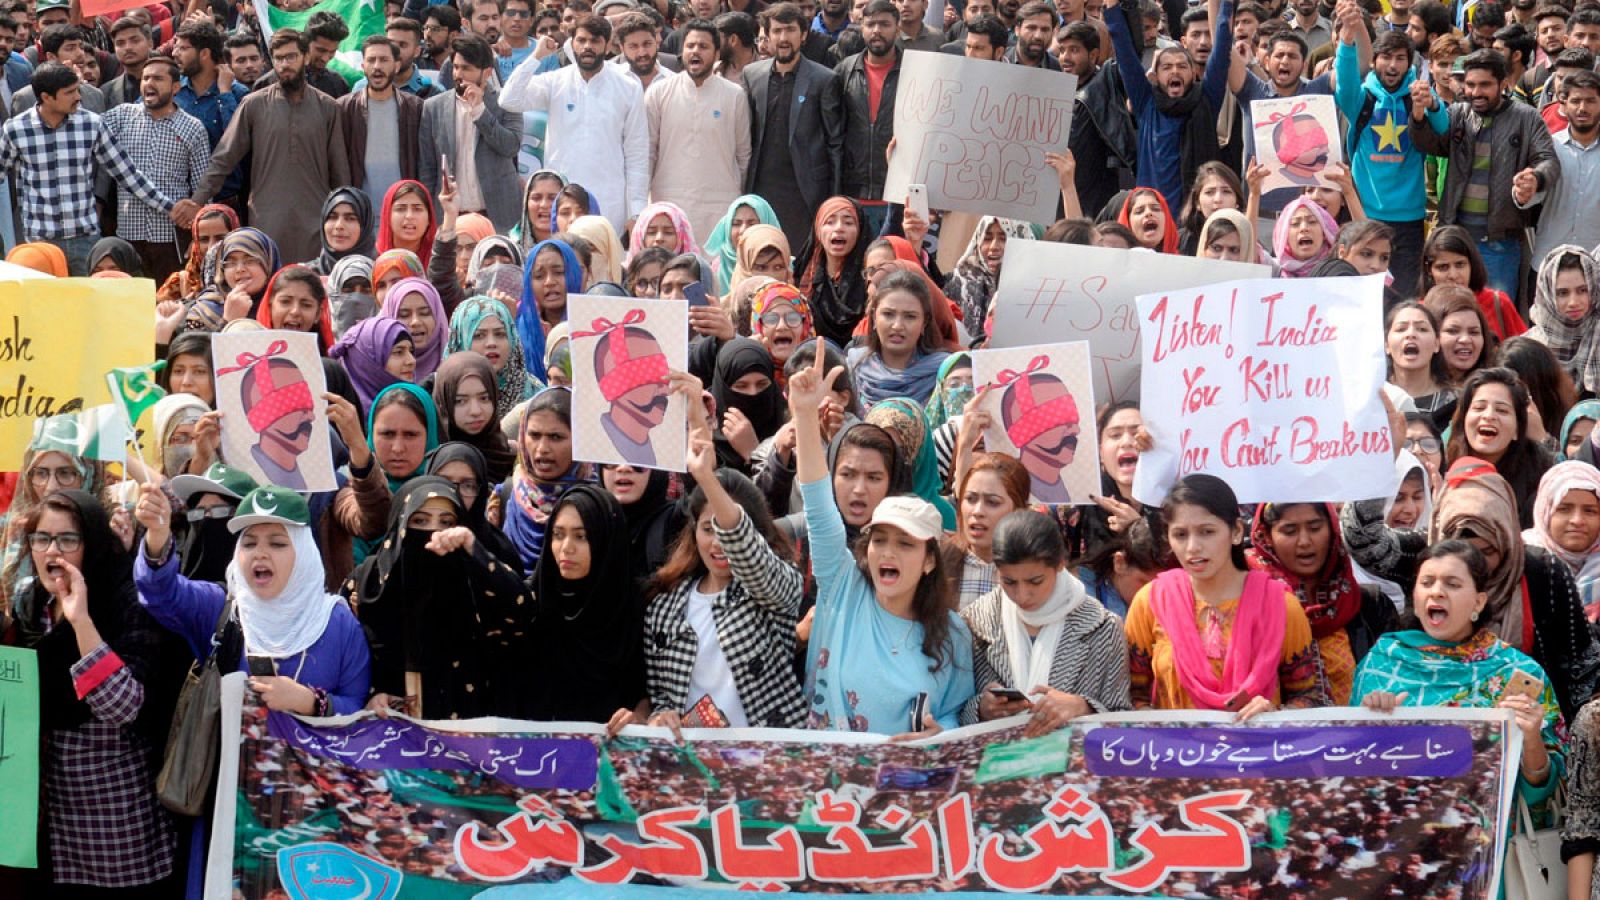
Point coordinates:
[(135, 389), (95, 433), (364, 18)]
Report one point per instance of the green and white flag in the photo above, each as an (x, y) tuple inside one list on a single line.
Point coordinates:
[(363, 17), (135, 389), (99, 432)]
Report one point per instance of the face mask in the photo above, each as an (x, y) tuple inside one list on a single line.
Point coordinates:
[(956, 398), (175, 458), (350, 307), (207, 549)]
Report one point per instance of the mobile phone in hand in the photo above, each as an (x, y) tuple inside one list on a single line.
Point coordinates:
[(261, 666), (917, 199), (1005, 693), (1522, 683), (695, 293)]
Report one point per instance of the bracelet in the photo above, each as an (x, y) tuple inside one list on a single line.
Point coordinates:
[(319, 702), (1538, 774)]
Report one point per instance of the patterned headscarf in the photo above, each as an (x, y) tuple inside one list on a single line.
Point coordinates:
[(947, 403), (680, 223), (1477, 499), (512, 379), (1576, 345), (1333, 597), (1287, 263), (408, 264), (773, 294), (904, 421)]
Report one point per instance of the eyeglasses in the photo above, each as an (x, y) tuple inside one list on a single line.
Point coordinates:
[(468, 488), (872, 272), (62, 475), (68, 541), (219, 511), (1422, 444), (238, 265), (792, 318)]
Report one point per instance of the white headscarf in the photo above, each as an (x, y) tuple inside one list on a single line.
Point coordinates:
[(1405, 464), (1031, 659), (292, 621)]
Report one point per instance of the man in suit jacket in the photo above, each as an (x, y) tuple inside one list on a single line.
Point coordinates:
[(796, 125), (478, 139)]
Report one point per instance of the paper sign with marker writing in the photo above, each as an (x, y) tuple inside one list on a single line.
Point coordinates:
[(1052, 293), (1296, 139), (1040, 402), (1270, 384), (19, 757), (976, 132), (622, 352)]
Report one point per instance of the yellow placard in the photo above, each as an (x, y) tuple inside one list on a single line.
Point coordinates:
[(58, 339)]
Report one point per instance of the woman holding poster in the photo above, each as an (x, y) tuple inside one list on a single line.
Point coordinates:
[(1213, 634)]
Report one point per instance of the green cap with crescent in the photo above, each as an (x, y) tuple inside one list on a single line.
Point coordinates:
[(270, 504), (220, 479)]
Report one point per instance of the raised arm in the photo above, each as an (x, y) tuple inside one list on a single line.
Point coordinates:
[(1129, 64)]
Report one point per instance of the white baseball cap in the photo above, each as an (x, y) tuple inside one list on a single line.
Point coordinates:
[(913, 515)]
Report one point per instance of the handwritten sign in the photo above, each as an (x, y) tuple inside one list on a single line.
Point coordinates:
[(1271, 385), (274, 420), (1040, 402), (975, 810), (1296, 138), (1050, 293), (58, 337), (622, 350), (976, 132), (19, 757)]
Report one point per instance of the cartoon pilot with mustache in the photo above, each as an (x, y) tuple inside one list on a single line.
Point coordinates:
[(631, 368), (277, 402), (1041, 420)]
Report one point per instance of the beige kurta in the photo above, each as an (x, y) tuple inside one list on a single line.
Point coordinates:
[(699, 146)]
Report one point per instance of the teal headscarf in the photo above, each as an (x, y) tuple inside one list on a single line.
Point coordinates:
[(720, 247), (946, 404), (433, 427), (1588, 409), (513, 380), (904, 421)]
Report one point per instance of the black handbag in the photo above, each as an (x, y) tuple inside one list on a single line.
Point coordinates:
[(194, 742)]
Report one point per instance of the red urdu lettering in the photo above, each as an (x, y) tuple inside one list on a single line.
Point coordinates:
[(915, 858), (955, 835), (1214, 843), (1083, 846), (549, 841), (779, 860), (674, 852)]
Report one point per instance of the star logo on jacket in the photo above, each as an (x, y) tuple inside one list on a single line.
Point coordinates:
[(1390, 131)]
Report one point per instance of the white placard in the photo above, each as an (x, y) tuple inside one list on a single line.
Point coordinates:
[(1296, 138)]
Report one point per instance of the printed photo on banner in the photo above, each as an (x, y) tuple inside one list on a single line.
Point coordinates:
[(1271, 385), (1040, 402), (622, 352), (274, 419), (976, 132), (1296, 138), (1055, 293)]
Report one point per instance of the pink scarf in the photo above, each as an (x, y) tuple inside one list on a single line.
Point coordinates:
[(1254, 650)]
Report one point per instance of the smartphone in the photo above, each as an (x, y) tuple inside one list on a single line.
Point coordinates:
[(261, 666), (695, 293), (919, 711), (1237, 702), (1008, 694), (917, 199), (1522, 683)]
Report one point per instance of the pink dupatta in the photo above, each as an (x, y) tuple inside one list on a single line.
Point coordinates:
[(1255, 649)]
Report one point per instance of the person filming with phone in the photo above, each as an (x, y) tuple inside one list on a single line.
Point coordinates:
[(477, 138)]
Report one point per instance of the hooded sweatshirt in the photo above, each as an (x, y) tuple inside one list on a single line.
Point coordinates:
[(1386, 166)]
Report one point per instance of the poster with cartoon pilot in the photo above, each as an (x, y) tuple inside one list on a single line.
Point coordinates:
[(623, 411), (1297, 139), (270, 390), (1039, 406)]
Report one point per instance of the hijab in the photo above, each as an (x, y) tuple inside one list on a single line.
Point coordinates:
[(475, 226), (511, 383), (529, 325), (1287, 264), (291, 622), (1576, 345), (194, 265), (365, 244), (386, 238), (170, 412), (363, 351), (428, 356), (680, 224), (349, 307), (654, 522), (40, 257), (430, 426), (476, 514), (121, 253), (526, 234), (1584, 409), (1333, 598), (1169, 235), (836, 305), (721, 249), (1585, 566), (756, 240), (324, 328), (738, 358), (947, 403), (402, 261), (527, 512), (592, 629), (1246, 230), (768, 293), (491, 441), (1405, 465), (488, 245), (1477, 499), (972, 256), (904, 421), (606, 259), (946, 313)]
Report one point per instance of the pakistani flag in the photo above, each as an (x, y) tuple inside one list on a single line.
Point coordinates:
[(96, 433), (135, 389), (364, 18)]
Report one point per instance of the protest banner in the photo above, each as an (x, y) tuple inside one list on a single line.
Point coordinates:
[(19, 757), (622, 351), (976, 132), (274, 418), (57, 339), (1271, 385), (1055, 293), (1175, 804), (1296, 138), (1040, 402)]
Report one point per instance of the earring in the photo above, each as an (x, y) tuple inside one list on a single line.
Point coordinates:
[(1475, 616)]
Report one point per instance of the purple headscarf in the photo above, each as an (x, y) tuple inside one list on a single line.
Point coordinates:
[(428, 357), (363, 351)]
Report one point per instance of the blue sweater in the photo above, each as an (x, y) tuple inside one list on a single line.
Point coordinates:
[(1386, 166)]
